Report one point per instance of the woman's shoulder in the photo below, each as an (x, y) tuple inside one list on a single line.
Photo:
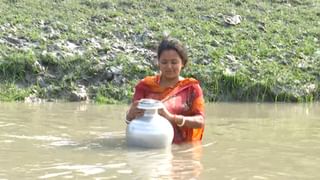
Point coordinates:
[(192, 83), (148, 81), (187, 81), (150, 78)]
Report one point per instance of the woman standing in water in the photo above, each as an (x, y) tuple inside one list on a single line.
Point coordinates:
[(182, 97)]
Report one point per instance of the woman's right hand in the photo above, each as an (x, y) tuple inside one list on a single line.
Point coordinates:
[(134, 112)]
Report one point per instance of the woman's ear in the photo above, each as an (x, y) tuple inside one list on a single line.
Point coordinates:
[(156, 63)]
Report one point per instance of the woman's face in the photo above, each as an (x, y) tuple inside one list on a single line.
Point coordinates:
[(170, 64)]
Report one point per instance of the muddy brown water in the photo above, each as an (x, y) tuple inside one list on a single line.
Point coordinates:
[(87, 141)]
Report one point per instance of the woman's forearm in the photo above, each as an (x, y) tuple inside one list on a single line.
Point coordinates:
[(196, 121)]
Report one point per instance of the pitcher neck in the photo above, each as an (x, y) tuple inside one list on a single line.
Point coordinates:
[(150, 112)]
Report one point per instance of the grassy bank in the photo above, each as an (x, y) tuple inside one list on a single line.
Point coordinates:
[(99, 49)]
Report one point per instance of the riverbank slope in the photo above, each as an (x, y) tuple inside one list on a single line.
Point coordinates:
[(98, 49)]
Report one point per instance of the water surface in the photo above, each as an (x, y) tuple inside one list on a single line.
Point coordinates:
[(87, 141)]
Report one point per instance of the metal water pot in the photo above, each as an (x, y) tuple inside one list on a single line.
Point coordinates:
[(150, 130)]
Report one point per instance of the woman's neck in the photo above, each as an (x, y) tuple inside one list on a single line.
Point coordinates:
[(165, 82)]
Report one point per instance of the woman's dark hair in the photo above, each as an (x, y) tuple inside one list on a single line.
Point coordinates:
[(169, 43)]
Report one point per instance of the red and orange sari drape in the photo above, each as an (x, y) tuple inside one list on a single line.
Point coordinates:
[(185, 98)]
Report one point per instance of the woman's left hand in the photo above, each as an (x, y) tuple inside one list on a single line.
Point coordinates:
[(166, 114)]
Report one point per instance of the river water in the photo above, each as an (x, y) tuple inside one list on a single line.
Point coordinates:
[(87, 141)]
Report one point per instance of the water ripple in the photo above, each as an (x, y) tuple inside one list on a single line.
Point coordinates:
[(84, 170)]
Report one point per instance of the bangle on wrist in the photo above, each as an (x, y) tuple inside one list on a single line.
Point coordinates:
[(182, 123)]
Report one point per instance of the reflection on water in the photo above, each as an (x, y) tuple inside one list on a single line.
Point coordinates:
[(178, 162), (87, 141), (187, 161)]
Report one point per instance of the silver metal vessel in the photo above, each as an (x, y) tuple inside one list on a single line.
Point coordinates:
[(151, 130)]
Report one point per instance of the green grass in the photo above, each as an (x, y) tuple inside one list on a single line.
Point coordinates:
[(10, 92), (276, 47)]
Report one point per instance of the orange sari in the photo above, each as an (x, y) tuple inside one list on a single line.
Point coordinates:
[(185, 98)]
